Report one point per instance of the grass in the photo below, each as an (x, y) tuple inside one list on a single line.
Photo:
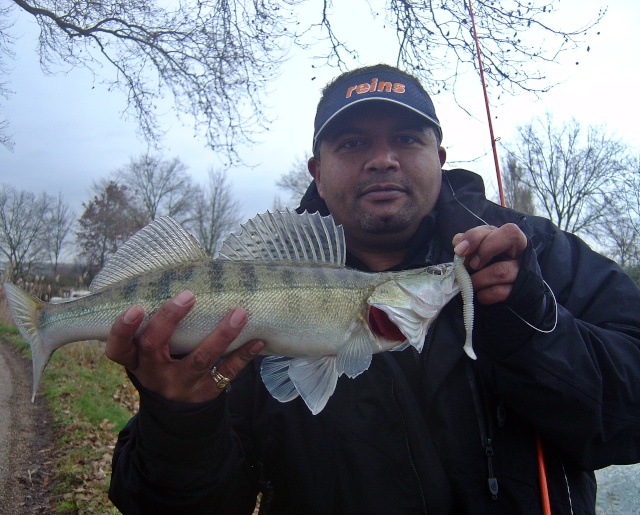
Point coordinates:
[(85, 380), (90, 399)]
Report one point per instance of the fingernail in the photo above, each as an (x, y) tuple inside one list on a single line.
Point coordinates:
[(475, 262), (256, 347), (238, 317), (461, 247), (132, 314), (183, 298)]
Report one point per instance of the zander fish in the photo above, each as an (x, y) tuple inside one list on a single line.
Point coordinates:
[(318, 318)]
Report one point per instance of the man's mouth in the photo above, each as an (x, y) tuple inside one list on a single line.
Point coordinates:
[(384, 191)]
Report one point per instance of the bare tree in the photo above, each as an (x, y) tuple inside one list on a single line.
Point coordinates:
[(217, 213), (621, 227), (162, 187), (296, 180), (517, 194), (6, 50), (59, 224), (215, 58), (108, 220), (516, 40), (629, 195), (22, 229), (571, 172), (622, 238)]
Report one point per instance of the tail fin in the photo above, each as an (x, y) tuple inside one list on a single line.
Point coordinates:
[(24, 311)]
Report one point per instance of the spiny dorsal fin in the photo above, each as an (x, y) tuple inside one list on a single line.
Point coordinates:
[(161, 244), (287, 236)]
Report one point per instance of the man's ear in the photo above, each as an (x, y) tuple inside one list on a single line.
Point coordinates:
[(442, 154), (313, 165)]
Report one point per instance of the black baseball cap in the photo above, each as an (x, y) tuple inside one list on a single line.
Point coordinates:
[(372, 84)]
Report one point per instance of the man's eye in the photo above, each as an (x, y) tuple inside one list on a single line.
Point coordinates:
[(406, 139), (351, 143)]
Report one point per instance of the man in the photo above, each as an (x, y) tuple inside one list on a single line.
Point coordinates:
[(557, 335)]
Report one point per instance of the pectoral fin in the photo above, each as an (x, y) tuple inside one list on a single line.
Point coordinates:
[(315, 378), (355, 356), (275, 376)]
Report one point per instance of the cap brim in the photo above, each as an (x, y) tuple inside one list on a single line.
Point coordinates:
[(345, 108)]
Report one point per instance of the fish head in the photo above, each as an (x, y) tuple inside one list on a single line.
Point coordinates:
[(407, 304)]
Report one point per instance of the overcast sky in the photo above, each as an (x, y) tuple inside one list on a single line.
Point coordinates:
[(69, 131)]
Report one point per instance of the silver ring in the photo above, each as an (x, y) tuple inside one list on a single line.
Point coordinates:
[(220, 380)]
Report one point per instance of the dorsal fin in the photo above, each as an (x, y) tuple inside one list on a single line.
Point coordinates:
[(287, 236), (161, 244)]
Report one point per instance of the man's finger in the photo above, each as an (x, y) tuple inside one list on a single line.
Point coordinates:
[(494, 282), (208, 352), (233, 364), (493, 294), (482, 244), (507, 240), (164, 322), (120, 345)]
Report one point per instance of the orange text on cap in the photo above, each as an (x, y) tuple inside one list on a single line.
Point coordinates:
[(375, 85)]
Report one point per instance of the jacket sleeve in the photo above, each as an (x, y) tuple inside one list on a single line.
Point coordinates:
[(181, 458), (580, 382)]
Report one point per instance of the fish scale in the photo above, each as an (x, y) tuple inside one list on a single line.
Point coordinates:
[(287, 271)]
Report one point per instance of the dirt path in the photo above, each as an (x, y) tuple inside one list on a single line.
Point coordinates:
[(25, 440)]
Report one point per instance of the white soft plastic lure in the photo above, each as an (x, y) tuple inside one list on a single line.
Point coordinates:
[(466, 290)]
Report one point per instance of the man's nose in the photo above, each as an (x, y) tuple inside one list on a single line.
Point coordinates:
[(382, 157)]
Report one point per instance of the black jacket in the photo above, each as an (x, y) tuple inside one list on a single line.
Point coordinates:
[(430, 433)]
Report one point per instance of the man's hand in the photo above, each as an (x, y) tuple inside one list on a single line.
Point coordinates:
[(187, 379), (495, 256)]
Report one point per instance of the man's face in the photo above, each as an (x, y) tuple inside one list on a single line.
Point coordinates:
[(379, 172)]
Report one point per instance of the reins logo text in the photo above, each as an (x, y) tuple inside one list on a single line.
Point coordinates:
[(375, 85)]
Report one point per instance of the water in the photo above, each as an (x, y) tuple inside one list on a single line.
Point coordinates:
[(618, 490)]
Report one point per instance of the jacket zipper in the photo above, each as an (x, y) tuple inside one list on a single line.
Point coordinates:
[(486, 430), (420, 361), (408, 447)]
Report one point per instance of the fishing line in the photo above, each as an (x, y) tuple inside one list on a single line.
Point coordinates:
[(458, 200), (555, 302), (544, 489)]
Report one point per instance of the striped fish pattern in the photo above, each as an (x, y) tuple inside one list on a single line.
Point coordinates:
[(318, 318)]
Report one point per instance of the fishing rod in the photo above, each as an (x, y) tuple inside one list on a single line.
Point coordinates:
[(542, 475), (486, 103)]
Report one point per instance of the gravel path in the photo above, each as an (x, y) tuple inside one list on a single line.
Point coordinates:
[(25, 440)]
